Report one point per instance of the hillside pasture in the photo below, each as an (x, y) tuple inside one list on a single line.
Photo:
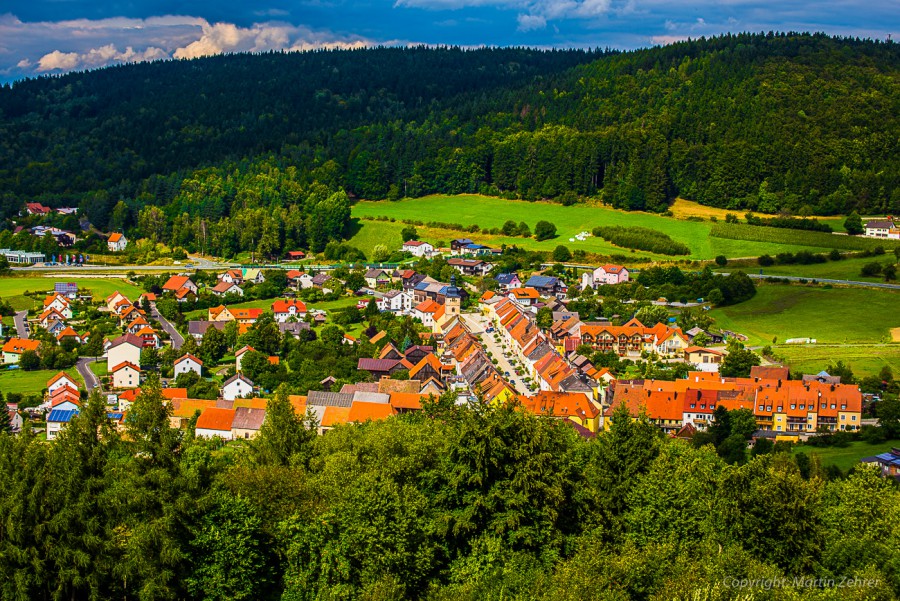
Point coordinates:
[(489, 212)]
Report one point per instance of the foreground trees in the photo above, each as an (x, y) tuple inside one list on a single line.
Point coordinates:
[(455, 503)]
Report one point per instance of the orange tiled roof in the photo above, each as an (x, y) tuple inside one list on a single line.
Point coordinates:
[(215, 418), (361, 411), (20, 345)]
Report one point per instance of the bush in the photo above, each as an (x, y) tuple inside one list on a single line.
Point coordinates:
[(871, 269), (765, 261), (721, 260), (561, 254), (641, 238), (544, 230)]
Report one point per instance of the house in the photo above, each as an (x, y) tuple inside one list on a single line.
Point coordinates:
[(68, 333), (705, 359), (15, 420), (220, 313), (293, 328), (197, 328), (418, 248), (299, 280), (547, 285), (395, 301), (58, 420), (377, 277), (49, 316), (525, 296), (381, 367), (187, 363), (236, 386), (183, 295), (604, 275), (14, 347), (215, 422), (883, 228), (113, 300), (232, 276), (474, 267), (223, 288), (888, 463), (59, 380), (294, 255), (508, 281), (126, 375), (239, 356), (285, 310), (150, 337), (116, 242), (124, 349), (573, 406), (137, 325), (177, 282), (59, 303), (247, 422), (426, 312), (253, 275), (66, 289), (36, 208), (457, 245)]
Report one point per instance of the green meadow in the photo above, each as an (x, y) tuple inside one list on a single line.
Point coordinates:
[(846, 269), (847, 457), (13, 288), (489, 212), (836, 315), (31, 382)]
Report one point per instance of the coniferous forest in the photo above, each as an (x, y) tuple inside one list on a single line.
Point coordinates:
[(449, 503), (797, 123)]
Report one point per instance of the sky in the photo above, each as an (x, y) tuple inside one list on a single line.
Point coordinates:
[(40, 37)]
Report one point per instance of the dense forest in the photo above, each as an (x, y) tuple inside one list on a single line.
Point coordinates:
[(453, 503), (796, 123)]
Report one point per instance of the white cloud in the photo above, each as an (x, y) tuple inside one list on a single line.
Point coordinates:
[(58, 46), (532, 14)]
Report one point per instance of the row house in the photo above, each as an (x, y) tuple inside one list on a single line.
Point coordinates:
[(633, 338)]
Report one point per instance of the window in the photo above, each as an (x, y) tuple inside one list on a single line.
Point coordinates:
[(852, 418), (843, 417), (780, 408), (778, 428), (761, 407), (793, 406), (693, 405), (844, 406), (833, 406)]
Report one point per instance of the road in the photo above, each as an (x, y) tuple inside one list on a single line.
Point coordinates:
[(758, 276), (177, 338), (84, 368), (19, 318), (477, 324)]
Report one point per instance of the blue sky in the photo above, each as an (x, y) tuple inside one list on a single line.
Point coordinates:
[(54, 36)]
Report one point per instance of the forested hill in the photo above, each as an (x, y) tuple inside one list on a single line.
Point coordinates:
[(804, 123)]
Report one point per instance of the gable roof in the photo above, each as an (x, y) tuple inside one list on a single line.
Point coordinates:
[(58, 377), (235, 378), (18, 346), (216, 418), (188, 356), (115, 237), (125, 364), (127, 339), (248, 418), (176, 282), (362, 411)]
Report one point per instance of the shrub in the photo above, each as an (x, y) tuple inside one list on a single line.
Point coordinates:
[(765, 261), (544, 230), (561, 254), (641, 238), (721, 260), (871, 269)]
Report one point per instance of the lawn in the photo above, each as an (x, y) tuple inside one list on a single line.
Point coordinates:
[(25, 382), (13, 288), (493, 212), (837, 315), (847, 457)]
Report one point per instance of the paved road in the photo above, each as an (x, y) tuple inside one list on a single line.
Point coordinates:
[(177, 338), (19, 318), (477, 324), (84, 368)]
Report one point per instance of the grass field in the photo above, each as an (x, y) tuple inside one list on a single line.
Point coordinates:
[(837, 315), (682, 209), (26, 382), (864, 359), (847, 269), (846, 457), (493, 212), (13, 288)]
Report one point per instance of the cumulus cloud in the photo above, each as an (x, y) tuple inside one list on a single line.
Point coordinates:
[(59, 46), (532, 14)]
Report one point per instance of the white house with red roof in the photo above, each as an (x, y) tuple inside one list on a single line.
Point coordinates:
[(285, 309), (418, 248), (116, 242), (60, 303), (223, 288), (187, 363), (239, 356), (125, 348), (126, 375), (61, 379)]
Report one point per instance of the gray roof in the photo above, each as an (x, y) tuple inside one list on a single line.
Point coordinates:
[(319, 398), (541, 281), (294, 327), (246, 418), (360, 387), (376, 364), (236, 377), (371, 397), (880, 223), (128, 339), (199, 327)]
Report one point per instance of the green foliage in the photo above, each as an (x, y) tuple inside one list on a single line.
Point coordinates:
[(853, 224), (737, 363), (561, 254), (721, 260), (641, 238), (731, 231), (544, 230)]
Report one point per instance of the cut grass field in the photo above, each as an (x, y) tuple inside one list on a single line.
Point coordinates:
[(864, 359), (31, 382), (836, 315), (846, 457), (489, 212), (13, 288)]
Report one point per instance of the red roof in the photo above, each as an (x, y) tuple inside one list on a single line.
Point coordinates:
[(124, 364), (283, 306), (188, 356), (361, 411), (115, 237), (215, 418), (176, 282)]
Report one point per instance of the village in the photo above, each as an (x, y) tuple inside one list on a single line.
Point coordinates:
[(511, 339)]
